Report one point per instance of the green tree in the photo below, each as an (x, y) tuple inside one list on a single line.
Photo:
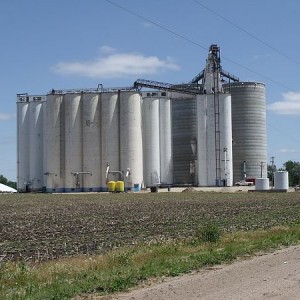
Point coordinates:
[(293, 168), (7, 182)]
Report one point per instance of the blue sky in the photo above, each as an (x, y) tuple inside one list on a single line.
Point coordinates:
[(63, 44)]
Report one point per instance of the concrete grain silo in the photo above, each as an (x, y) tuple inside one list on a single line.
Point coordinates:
[(165, 141), (157, 139), (151, 140), (73, 142), (91, 142), (249, 131), (131, 140), (110, 138), (30, 142), (214, 140), (23, 132), (36, 143), (53, 150)]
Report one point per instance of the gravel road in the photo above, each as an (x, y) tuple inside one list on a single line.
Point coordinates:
[(270, 276)]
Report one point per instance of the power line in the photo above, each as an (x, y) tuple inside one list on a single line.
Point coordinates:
[(247, 32), (283, 133), (204, 48), (157, 24), (194, 43), (259, 74)]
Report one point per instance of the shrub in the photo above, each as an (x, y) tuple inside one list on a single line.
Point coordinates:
[(209, 233)]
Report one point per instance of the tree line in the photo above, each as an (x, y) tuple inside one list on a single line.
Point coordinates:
[(7, 182)]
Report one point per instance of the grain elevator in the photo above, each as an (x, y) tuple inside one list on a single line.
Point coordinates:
[(208, 132)]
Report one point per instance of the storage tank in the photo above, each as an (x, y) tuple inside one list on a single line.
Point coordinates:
[(131, 153), (151, 141), (165, 141), (262, 184), (23, 177), (248, 129), (53, 147), (214, 141), (110, 137), (184, 132), (36, 143), (120, 186), (73, 142), (281, 180), (111, 185), (91, 138)]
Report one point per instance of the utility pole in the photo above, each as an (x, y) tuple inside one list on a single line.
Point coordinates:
[(273, 168), (262, 163), (272, 161)]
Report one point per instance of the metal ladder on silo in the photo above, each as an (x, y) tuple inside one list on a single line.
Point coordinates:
[(217, 130)]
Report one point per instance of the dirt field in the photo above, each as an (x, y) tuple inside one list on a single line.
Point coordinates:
[(37, 227), (273, 276)]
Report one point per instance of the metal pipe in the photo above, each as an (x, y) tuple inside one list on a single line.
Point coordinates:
[(76, 174)]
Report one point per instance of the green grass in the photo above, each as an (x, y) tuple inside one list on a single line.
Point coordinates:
[(121, 269)]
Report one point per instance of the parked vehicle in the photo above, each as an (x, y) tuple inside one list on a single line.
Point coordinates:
[(244, 183)]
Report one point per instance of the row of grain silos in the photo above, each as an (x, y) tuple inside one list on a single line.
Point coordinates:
[(77, 141)]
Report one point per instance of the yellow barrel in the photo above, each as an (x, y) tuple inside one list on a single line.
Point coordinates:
[(120, 186), (111, 186)]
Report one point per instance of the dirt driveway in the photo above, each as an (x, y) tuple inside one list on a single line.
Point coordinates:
[(270, 276)]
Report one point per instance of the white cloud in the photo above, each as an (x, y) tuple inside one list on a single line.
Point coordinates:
[(288, 151), (261, 56), (7, 117), (111, 64), (146, 24), (289, 105), (105, 50)]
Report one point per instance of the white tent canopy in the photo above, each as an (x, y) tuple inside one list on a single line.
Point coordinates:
[(6, 189)]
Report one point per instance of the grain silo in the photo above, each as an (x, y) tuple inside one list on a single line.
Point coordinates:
[(248, 129), (110, 138), (214, 140), (53, 168), (30, 142), (151, 140), (36, 143), (157, 139), (91, 142), (184, 132), (165, 141), (131, 140), (23, 142), (73, 142)]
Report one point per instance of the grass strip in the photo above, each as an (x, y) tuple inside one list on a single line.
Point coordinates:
[(124, 268)]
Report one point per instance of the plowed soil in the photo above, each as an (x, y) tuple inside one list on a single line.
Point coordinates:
[(39, 227)]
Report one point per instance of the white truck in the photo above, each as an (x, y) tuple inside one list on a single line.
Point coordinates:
[(244, 183)]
